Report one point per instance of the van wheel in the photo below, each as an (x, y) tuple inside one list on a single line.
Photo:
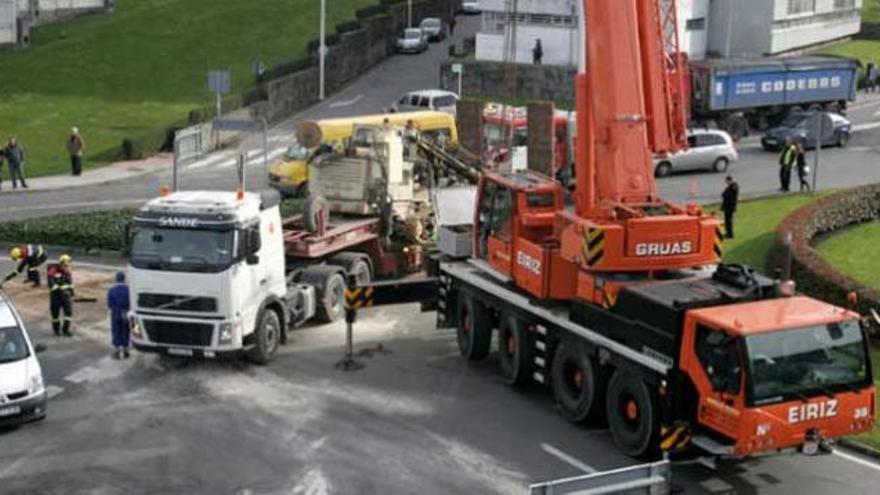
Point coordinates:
[(514, 351), (720, 165), (632, 416), (663, 169), (577, 386), (474, 332), (267, 335)]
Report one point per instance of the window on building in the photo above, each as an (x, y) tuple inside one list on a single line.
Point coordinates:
[(801, 6), (844, 4), (698, 24)]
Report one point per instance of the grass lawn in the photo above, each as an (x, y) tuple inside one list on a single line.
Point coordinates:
[(862, 49), (142, 69), (854, 252)]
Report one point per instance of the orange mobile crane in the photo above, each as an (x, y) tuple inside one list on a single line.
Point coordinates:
[(621, 305)]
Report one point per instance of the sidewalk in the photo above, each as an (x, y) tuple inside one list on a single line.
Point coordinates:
[(110, 173)]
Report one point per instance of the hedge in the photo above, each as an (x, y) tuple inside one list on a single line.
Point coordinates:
[(824, 216), (89, 230)]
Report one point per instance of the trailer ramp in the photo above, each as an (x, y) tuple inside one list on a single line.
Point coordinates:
[(647, 479)]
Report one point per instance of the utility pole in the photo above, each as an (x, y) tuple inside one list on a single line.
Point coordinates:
[(409, 13), (729, 34), (322, 51)]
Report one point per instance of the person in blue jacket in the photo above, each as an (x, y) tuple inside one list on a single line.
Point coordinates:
[(118, 304)]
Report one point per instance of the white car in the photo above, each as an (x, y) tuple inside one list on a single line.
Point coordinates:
[(707, 149), (470, 7), (428, 99), (22, 394), (433, 28), (411, 40)]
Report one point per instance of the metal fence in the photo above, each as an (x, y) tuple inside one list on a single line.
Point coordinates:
[(8, 22), (648, 479)]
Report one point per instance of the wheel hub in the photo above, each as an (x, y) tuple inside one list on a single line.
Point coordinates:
[(632, 410)]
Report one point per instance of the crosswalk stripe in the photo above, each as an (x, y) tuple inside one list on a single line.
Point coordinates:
[(53, 391)]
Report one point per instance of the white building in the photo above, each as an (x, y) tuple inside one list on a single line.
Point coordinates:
[(706, 27), (554, 22)]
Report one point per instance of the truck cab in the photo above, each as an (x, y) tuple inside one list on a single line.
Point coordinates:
[(207, 276), (776, 374)]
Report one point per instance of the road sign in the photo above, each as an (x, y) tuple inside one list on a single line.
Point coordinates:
[(219, 81), (457, 68)]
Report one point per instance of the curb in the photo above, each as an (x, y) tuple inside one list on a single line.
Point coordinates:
[(859, 448)]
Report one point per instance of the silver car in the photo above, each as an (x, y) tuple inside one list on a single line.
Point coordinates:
[(412, 40), (708, 149)]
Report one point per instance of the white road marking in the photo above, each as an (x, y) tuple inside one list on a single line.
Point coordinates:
[(347, 103), (716, 485), (857, 460), (53, 391), (571, 461), (866, 127)]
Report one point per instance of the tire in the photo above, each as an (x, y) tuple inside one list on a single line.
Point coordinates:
[(316, 212), (329, 287), (267, 338), (843, 139), (354, 263), (474, 331), (834, 107), (577, 384), (514, 351), (663, 169), (737, 127), (720, 165), (632, 416)]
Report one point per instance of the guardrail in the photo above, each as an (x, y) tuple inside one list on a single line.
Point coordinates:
[(651, 479)]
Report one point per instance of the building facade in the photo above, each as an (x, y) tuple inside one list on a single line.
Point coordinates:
[(737, 28)]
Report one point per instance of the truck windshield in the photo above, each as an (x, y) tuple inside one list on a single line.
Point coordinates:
[(12, 345), (806, 362), (182, 250)]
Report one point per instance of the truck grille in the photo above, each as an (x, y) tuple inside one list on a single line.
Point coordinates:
[(177, 303), (179, 332)]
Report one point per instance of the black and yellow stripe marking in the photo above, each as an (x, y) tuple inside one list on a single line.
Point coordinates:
[(609, 300), (674, 438), (593, 246), (360, 297), (719, 242)]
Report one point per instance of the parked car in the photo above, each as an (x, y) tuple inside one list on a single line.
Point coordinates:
[(412, 40), (433, 28), (22, 393), (836, 131), (708, 149), (427, 99), (470, 7)]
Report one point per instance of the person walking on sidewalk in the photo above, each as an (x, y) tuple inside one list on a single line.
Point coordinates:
[(451, 23), (803, 170), (30, 257), (118, 303), (729, 201), (537, 52), (14, 154), (869, 81), (787, 161), (75, 146), (61, 295)]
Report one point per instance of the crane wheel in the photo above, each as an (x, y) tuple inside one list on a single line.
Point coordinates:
[(632, 416), (267, 336), (474, 332), (514, 350), (578, 385)]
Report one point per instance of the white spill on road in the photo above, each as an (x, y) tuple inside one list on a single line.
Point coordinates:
[(313, 483)]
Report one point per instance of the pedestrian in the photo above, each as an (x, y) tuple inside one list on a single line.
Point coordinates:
[(874, 77), (14, 154), (803, 170), (75, 146), (61, 295), (869, 83), (30, 257), (787, 161), (537, 52), (2, 158), (451, 23), (729, 200), (118, 303)]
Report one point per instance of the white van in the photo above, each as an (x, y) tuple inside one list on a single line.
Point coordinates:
[(22, 394), (427, 99)]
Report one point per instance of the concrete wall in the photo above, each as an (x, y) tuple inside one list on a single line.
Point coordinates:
[(8, 21), (482, 78), (693, 27), (560, 45), (57, 10)]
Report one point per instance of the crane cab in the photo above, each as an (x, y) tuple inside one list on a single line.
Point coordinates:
[(515, 232)]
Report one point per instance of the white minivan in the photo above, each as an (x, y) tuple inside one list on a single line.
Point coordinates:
[(427, 99), (22, 394)]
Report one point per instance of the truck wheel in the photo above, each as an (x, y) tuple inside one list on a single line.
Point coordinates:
[(576, 383), (331, 302), (514, 351), (737, 127), (663, 169), (631, 415), (356, 264), (267, 335), (474, 330), (316, 212), (720, 165)]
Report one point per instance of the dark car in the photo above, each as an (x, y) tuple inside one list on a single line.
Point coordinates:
[(836, 131)]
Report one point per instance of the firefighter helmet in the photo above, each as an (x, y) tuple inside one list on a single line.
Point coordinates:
[(16, 253), (64, 259)]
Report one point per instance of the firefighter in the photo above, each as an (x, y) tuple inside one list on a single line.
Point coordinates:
[(60, 281), (29, 257)]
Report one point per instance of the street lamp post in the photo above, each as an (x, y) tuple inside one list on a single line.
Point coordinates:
[(322, 51), (409, 13), (729, 33)]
